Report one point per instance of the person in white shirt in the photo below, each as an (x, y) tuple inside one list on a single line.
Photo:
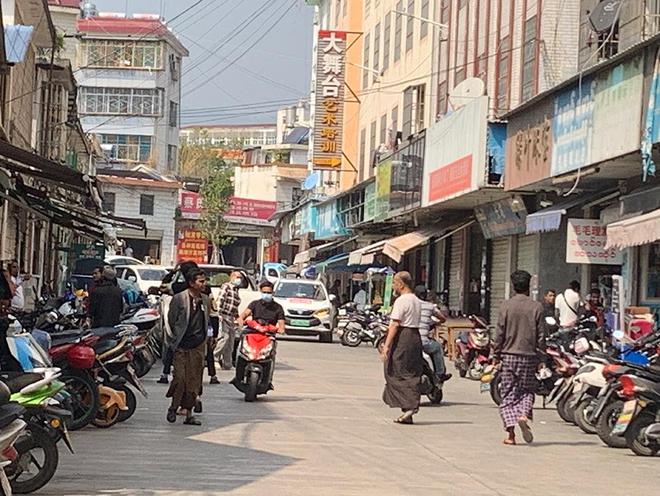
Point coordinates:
[(360, 298), (18, 301), (568, 305)]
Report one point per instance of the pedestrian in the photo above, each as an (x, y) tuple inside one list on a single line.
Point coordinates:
[(549, 310), (360, 298), (212, 334), (430, 346), (188, 318), (172, 284), (518, 343), (128, 251), (229, 300), (594, 308), (97, 276), (16, 280), (402, 352), (336, 290), (106, 303), (568, 305)]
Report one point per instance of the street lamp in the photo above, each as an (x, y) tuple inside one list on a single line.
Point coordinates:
[(423, 19)]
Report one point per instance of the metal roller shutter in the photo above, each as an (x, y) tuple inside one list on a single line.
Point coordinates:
[(455, 271), (498, 276), (528, 253)]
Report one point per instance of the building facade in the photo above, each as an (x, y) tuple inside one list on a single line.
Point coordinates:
[(129, 71), (232, 136)]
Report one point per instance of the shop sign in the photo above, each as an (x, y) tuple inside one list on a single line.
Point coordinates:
[(502, 218), (529, 153), (192, 245), (329, 99), (370, 201), (572, 128), (328, 224), (250, 211), (190, 204), (88, 250), (455, 156), (617, 97), (585, 243), (383, 189)]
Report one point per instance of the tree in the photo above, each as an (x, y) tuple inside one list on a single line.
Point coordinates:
[(198, 160), (216, 192)]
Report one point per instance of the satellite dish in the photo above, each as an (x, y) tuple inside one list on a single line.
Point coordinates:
[(311, 181), (466, 92), (604, 15)]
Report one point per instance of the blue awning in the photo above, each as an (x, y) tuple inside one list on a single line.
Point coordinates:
[(17, 40)]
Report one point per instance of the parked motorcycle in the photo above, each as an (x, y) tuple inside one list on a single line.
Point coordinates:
[(255, 360), (474, 347), (11, 427)]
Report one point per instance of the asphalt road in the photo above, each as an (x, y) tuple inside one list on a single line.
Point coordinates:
[(325, 431)]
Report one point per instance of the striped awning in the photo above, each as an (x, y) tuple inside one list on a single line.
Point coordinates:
[(635, 231)]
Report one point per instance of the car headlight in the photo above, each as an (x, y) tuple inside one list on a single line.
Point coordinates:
[(322, 313)]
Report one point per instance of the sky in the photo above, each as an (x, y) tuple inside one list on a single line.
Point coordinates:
[(274, 73)]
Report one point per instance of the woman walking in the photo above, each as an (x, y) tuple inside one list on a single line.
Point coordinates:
[(402, 352)]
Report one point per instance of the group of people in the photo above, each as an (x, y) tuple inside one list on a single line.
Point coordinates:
[(200, 329), (17, 292), (568, 307)]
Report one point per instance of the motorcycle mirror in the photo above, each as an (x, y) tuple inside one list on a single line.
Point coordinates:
[(551, 321)]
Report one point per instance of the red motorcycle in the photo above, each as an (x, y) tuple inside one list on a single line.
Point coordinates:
[(473, 348), (255, 360)]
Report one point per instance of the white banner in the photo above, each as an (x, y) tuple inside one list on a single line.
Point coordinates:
[(585, 243)]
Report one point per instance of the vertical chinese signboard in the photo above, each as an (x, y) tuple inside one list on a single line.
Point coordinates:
[(329, 102), (192, 245)]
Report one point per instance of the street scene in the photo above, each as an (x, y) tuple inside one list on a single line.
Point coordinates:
[(329, 246)]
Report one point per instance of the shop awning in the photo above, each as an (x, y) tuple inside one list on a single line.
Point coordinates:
[(312, 253), (635, 231), (549, 219), (394, 248)]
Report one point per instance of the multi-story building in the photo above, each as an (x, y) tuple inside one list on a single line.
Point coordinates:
[(129, 71), (232, 136)]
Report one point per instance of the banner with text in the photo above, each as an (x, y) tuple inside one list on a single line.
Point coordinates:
[(585, 243), (249, 211), (329, 99), (192, 245)]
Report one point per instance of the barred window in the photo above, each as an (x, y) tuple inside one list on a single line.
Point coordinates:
[(121, 101), (112, 53), (128, 148)]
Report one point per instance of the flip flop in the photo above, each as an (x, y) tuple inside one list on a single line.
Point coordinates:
[(509, 442), (528, 436)]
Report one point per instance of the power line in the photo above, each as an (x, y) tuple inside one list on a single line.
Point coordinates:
[(242, 54)]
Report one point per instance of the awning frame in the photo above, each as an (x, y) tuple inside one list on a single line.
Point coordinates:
[(634, 231)]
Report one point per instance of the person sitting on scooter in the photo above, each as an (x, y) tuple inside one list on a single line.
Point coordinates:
[(431, 347), (265, 310)]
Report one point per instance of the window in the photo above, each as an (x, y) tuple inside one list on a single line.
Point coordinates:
[(367, 8), (127, 147), (172, 152), (410, 23), (174, 114), (460, 75), (407, 113), (442, 98), (383, 129), (123, 54), (365, 63), (413, 110), (395, 121), (529, 60), (376, 61), (120, 101), (387, 32), (398, 25), (502, 101), (424, 26), (337, 11), (363, 150), (650, 271), (146, 204), (175, 67), (108, 204), (372, 143)]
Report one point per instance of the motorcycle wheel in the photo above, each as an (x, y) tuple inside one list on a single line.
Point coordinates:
[(253, 381), (106, 417), (84, 401), (495, 392), (474, 374), (131, 403), (37, 460), (581, 413), (435, 397), (142, 362), (606, 423), (351, 338), (634, 437), (564, 410)]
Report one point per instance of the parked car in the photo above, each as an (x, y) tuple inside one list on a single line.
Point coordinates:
[(116, 260), (273, 271), (145, 276), (308, 308)]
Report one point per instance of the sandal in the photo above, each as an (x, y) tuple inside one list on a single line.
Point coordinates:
[(528, 436), (171, 416), (509, 442), (406, 418)]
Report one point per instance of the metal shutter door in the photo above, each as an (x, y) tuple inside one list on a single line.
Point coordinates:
[(528, 253), (455, 271), (498, 276)]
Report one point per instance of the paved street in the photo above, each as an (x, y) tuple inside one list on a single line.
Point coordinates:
[(325, 431)]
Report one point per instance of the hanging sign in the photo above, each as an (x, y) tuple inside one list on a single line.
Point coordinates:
[(585, 243)]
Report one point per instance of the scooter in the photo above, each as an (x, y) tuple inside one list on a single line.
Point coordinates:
[(431, 384), (473, 350), (255, 360), (11, 427)]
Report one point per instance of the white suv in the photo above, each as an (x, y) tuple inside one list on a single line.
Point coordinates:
[(308, 309)]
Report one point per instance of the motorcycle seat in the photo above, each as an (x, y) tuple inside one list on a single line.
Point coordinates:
[(66, 337), (10, 412), (103, 346), (16, 381), (104, 332)]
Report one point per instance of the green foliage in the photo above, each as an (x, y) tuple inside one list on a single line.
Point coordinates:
[(216, 192), (198, 160)]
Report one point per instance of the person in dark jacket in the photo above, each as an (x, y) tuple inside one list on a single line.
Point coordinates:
[(519, 341), (106, 303)]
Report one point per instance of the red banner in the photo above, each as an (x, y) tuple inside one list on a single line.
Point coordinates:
[(190, 204), (192, 245), (247, 208), (450, 179)]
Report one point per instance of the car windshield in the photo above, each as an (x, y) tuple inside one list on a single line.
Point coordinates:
[(216, 277), (152, 274), (300, 290)]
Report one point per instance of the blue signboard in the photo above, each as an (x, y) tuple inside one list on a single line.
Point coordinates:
[(572, 128), (328, 224)]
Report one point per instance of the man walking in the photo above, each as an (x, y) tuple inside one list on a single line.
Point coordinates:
[(106, 303), (518, 342), (188, 318), (402, 352), (228, 301), (568, 305)]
